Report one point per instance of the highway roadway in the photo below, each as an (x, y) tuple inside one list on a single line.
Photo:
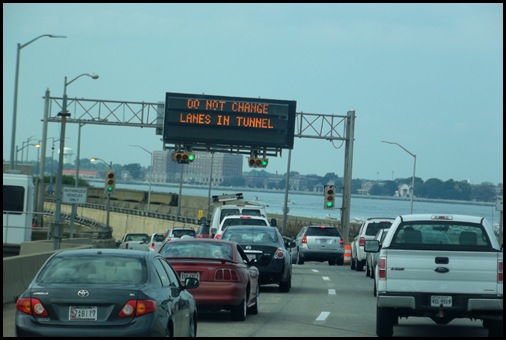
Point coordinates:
[(325, 301)]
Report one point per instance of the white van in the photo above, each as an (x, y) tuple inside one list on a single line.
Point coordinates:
[(240, 220), (234, 205)]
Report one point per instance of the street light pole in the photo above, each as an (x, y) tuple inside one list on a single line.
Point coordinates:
[(74, 205), (414, 170), (108, 204), (16, 81), (150, 173), (63, 114)]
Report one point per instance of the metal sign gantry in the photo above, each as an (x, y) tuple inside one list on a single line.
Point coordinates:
[(151, 115)]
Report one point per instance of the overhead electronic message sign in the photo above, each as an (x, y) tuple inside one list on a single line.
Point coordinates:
[(206, 119)]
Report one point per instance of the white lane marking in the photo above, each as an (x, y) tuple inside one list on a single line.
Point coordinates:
[(323, 316), (332, 292), (314, 270), (326, 278)]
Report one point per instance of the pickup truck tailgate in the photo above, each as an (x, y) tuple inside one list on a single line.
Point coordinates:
[(424, 271)]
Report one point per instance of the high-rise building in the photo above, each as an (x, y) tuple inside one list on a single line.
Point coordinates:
[(224, 165)]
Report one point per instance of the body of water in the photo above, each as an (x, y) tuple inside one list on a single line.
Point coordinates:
[(311, 205)]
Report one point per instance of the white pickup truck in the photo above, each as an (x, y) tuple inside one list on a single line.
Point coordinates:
[(135, 241), (442, 267)]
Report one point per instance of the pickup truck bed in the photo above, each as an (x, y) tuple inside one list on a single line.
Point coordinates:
[(135, 241)]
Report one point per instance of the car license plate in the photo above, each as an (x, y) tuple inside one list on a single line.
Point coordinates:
[(436, 301), (185, 275), (83, 313)]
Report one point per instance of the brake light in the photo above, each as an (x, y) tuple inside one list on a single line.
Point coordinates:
[(218, 236), (382, 268), (153, 246), (341, 242), (224, 274), (499, 271), (279, 254), (31, 307), (137, 308), (361, 241), (304, 239)]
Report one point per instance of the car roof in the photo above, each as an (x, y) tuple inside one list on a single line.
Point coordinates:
[(245, 216), (442, 218), (199, 240)]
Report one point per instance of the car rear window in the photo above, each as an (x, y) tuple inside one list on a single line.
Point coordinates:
[(182, 232), (243, 221), (374, 227), (93, 270), (323, 231)]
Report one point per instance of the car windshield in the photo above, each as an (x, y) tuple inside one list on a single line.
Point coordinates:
[(158, 237), (93, 270), (213, 250), (322, 231)]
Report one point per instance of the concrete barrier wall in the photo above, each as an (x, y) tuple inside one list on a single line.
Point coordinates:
[(19, 271)]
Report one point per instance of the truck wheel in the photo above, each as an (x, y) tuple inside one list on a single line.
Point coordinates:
[(495, 328), (360, 266), (352, 264), (385, 319)]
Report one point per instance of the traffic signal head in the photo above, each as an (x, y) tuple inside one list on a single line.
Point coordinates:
[(255, 162), (110, 181), (329, 197), (183, 157)]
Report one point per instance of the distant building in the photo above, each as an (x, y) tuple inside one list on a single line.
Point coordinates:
[(224, 165)]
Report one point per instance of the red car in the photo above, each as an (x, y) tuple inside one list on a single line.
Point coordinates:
[(228, 279)]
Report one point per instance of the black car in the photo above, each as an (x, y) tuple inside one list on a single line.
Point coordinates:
[(266, 245), (107, 293)]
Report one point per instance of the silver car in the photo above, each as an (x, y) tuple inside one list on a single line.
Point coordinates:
[(319, 243)]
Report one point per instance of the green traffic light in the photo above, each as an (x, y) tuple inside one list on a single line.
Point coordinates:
[(109, 188), (191, 157), (265, 162), (329, 204)]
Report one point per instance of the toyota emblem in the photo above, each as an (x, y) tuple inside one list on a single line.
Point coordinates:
[(83, 293), (248, 247)]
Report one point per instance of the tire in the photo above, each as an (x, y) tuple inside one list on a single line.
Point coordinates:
[(367, 271), (359, 266), (374, 288), (352, 264), (193, 326), (332, 262), (300, 260), (495, 328), (340, 261), (385, 319), (253, 310), (238, 313), (284, 286)]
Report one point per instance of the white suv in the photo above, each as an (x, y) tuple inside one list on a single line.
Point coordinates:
[(239, 220), (368, 230)]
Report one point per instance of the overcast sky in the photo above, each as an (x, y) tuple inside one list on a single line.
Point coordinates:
[(427, 76)]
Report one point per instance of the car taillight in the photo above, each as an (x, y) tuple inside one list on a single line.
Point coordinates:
[(31, 307), (304, 239), (341, 242), (137, 308), (279, 254), (226, 275), (499, 271), (153, 246), (126, 245), (361, 241), (217, 236), (382, 268)]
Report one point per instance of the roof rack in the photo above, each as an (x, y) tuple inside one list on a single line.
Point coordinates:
[(228, 197)]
